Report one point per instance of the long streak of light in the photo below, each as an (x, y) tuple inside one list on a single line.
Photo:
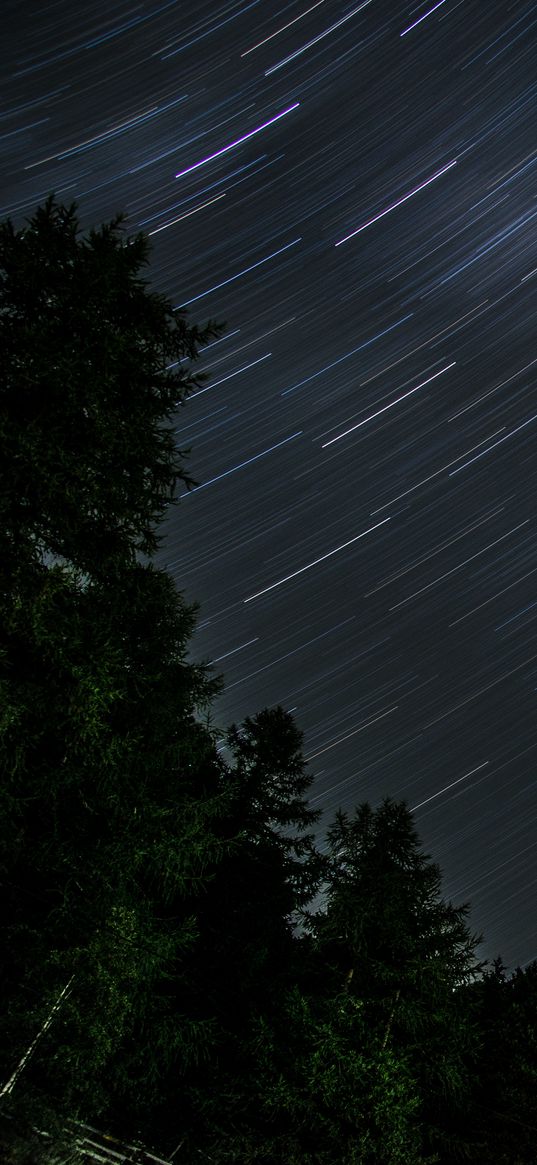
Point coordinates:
[(460, 565), (233, 145), (399, 202), (353, 351), (230, 375), (496, 443), (424, 480), (288, 655), (315, 562), (492, 597), (232, 278), (424, 17), (386, 407), (355, 731), (418, 348), (451, 786), (187, 214), (97, 139), (249, 343), (502, 384), (475, 695), (282, 29), (227, 654), (316, 39), (242, 464), (437, 550)]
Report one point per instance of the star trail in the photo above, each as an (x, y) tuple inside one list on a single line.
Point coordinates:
[(358, 183)]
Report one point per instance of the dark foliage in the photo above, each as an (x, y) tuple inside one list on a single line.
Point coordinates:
[(110, 783), (166, 967), (505, 1078), (90, 378)]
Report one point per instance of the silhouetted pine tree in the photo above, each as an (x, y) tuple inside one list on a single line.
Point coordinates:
[(248, 952), (388, 936), (93, 365), (110, 789), (505, 1075)]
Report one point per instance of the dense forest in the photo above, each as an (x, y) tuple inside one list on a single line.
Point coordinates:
[(184, 962)]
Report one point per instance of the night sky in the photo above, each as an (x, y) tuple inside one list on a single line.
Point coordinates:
[(353, 189)]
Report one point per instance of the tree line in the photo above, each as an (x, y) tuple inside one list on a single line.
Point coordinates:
[(167, 971)]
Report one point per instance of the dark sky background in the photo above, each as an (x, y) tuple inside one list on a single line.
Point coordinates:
[(353, 188)]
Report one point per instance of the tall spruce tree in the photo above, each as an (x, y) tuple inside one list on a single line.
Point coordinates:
[(110, 784), (307, 1073), (248, 953), (504, 1112), (393, 942), (93, 366)]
